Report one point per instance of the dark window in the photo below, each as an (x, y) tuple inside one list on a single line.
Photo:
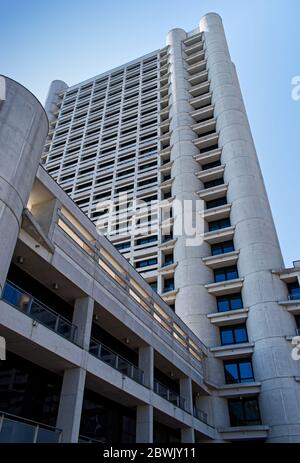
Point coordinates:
[(222, 248), (216, 203), (121, 246), (238, 371), (148, 239), (233, 335), (169, 259), (169, 285), (153, 285), (212, 183), (294, 291), (146, 263), (211, 165), (225, 274), (233, 302), (219, 224), (244, 412)]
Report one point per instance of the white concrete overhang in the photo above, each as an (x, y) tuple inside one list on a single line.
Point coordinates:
[(204, 126), (166, 203), (198, 67), (195, 38), (198, 78), (197, 47), (239, 390), (211, 174), (244, 433), (232, 317), (201, 101), (166, 167), (200, 89), (222, 260), (207, 158), (218, 236), (169, 296), (32, 227), (225, 287), (216, 213), (203, 113), (214, 192), (195, 57), (168, 270), (233, 351), (167, 245), (206, 141), (166, 183), (292, 306)]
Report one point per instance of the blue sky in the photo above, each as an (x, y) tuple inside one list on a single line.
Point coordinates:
[(73, 40)]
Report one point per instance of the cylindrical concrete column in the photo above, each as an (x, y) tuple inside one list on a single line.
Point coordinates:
[(256, 239), (53, 98), (191, 274), (23, 130)]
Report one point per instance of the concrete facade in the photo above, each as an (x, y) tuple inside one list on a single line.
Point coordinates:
[(218, 320)]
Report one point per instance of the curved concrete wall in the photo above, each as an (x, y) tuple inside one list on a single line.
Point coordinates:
[(23, 130), (255, 236), (52, 100)]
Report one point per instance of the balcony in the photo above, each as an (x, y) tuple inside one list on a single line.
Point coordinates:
[(200, 415), (198, 78), (215, 192), (189, 50), (221, 260), (14, 429), (292, 304), (171, 396), (200, 89), (209, 157), (38, 311), (219, 236), (216, 213), (201, 101), (117, 362), (211, 174), (235, 351)]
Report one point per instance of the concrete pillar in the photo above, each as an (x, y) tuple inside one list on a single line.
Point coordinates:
[(191, 275), (187, 436), (144, 424), (70, 405), (23, 130), (256, 239), (146, 363), (185, 387), (53, 98), (83, 319)]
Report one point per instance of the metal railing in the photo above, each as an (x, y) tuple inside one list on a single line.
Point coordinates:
[(89, 440), (169, 395), (14, 429), (113, 359), (38, 311), (200, 415)]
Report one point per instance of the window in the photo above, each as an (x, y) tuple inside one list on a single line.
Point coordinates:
[(211, 165), (222, 248), (169, 285), (294, 291), (219, 224), (148, 239), (225, 274), (146, 263), (121, 246), (153, 285), (227, 303), (233, 335), (238, 371), (169, 259), (244, 412), (216, 203), (212, 183)]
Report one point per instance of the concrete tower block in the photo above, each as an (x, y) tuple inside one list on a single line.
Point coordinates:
[(52, 100), (256, 239), (23, 130), (191, 274)]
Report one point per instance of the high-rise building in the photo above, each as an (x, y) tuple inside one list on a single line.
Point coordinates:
[(168, 129)]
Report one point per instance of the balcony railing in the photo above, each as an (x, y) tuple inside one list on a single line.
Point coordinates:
[(116, 361), (169, 395), (38, 311), (200, 415), (89, 440), (14, 429)]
